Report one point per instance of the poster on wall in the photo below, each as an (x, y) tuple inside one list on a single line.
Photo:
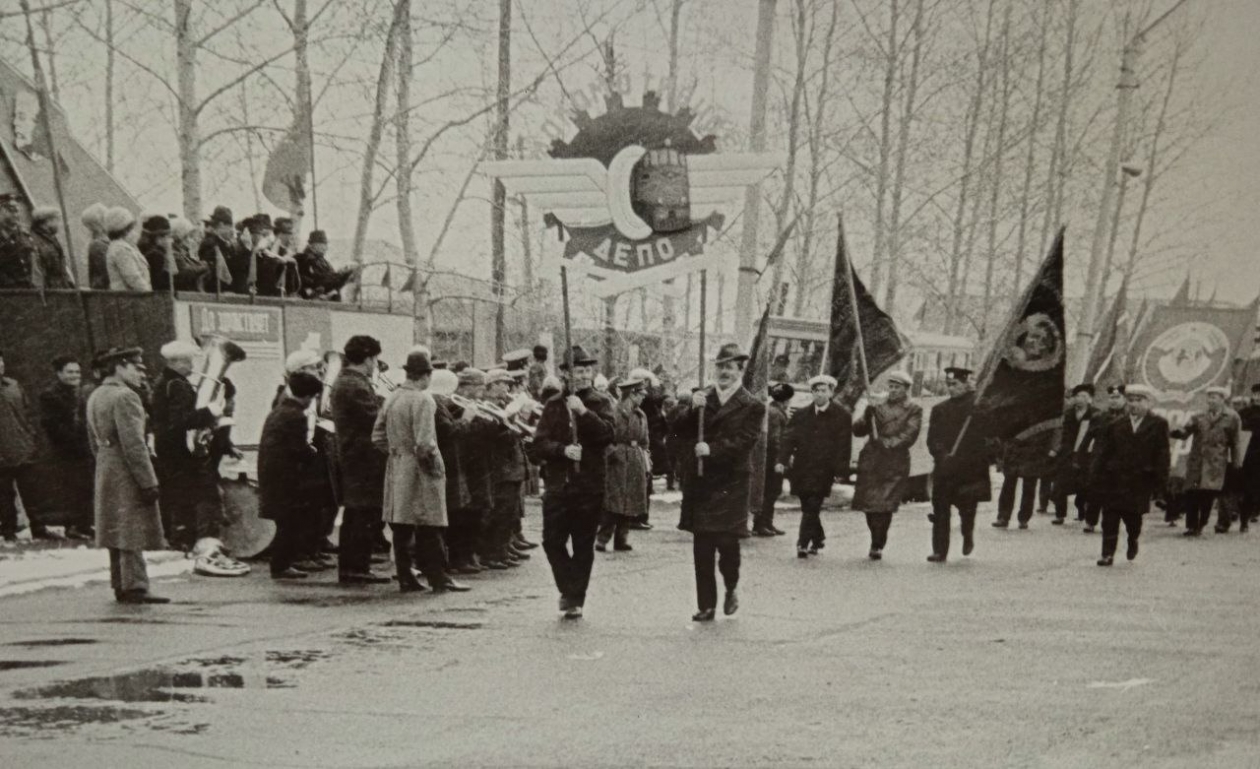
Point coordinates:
[(260, 332)]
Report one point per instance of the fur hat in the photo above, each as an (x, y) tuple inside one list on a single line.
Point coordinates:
[(93, 217), (304, 384), (443, 382), (300, 359), (43, 214), (157, 225), (118, 220), (318, 236)]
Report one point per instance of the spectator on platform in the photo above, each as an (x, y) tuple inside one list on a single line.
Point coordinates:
[(93, 219), (190, 272), (17, 459), (49, 268), (155, 244), (217, 249), (128, 270), (318, 278), (17, 252)]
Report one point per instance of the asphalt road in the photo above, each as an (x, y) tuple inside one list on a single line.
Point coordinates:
[(1024, 655)]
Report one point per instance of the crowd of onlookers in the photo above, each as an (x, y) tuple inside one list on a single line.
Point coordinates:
[(157, 252)]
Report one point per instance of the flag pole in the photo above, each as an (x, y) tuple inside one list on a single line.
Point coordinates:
[(568, 350), (704, 298)]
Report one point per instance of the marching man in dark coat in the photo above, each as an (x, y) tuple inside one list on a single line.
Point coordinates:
[(776, 437), (1072, 454), (575, 428), (285, 457), (716, 475), (1130, 466), (127, 519), (355, 405), (884, 462), (814, 453), (1249, 417), (960, 477)]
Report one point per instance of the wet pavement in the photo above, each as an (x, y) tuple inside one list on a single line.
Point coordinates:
[(1025, 654)]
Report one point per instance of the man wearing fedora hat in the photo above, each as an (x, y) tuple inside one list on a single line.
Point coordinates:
[(218, 249), (1215, 432), (316, 275), (716, 475), (1132, 455), (575, 428), (415, 478), (815, 454)]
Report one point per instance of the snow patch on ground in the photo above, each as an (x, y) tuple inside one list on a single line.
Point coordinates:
[(27, 570)]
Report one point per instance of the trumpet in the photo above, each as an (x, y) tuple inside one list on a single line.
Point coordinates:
[(389, 384)]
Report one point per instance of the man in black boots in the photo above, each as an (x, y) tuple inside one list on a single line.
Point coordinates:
[(1132, 454), (960, 471), (776, 437), (575, 428), (815, 452), (722, 423)]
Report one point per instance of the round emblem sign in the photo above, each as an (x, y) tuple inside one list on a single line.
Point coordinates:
[(1185, 359), (1036, 345)]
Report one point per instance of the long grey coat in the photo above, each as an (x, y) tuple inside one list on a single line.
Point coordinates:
[(626, 461), (415, 476), (1215, 441), (124, 521), (884, 462)]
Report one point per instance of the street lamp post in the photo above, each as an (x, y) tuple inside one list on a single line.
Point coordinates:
[(1127, 172), (1128, 82)]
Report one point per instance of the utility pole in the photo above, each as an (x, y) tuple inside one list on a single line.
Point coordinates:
[(498, 248), (1127, 172), (745, 296), (1128, 82)]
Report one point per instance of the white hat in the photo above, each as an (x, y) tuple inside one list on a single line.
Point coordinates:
[(498, 375), (644, 375), (443, 382), (1218, 390), (1139, 390), (901, 377), (93, 216), (43, 213), (601, 381), (118, 219), (179, 349), (300, 359), (824, 379)]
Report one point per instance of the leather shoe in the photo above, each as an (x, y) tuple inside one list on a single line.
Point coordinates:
[(1000, 524), (521, 542), (361, 578), (519, 555), (573, 612), (1132, 552), (875, 555), (777, 531), (1105, 561), (601, 547), (1058, 522), (495, 565), (969, 544), (624, 547), (731, 604), (141, 596), (762, 531), (704, 615), (451, 586), (641, 526), (936, 558), (1023, 524), (802, 552), (289, 573), (1088, 529), (411, 586)]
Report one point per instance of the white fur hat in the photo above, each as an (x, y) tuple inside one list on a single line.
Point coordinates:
[(118, 219), (179, 349), (300, 359)]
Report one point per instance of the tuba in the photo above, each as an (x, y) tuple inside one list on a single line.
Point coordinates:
[(218, 354)]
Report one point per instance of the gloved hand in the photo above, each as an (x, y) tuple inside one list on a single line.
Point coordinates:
[(149, 496)]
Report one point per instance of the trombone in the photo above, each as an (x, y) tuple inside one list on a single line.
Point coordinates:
[(389, 384)]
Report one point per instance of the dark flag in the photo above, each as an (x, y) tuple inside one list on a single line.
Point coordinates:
[(1020, 388), (1107, 353), (757, 375), (880, 338)]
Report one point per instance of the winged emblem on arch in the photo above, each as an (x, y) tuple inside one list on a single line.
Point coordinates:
[(582, 192)]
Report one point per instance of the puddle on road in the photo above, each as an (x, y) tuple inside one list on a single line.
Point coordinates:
[(54, 721), (435, 624), (23, 664), (39, 642)]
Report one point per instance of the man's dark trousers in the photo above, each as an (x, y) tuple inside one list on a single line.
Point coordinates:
[(705, 546), (571, 517), (1111, 518), (811, 522), (940, 523)]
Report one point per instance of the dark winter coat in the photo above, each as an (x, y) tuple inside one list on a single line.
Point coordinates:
[(884, 462), (816, 448), (450, 432), (17, 256), (594, 433), (62, 412), (354, 408), (98, 268), (318, 278), (1073, 460), (718, 500), (49, 268), (626, 462), (1128, 468), (175, 414), (964, 477), (1249, 417), (212, 247), (285, 458)]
